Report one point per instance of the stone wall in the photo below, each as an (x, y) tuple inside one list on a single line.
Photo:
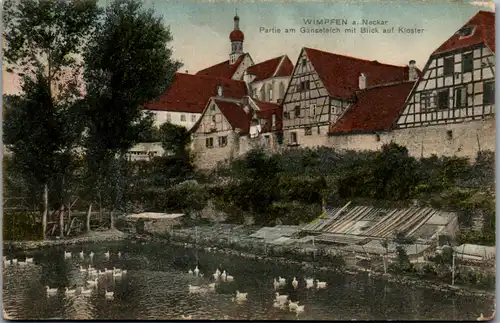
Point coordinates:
[(310, 141), (462, 140)]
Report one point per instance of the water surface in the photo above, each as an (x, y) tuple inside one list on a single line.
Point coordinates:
[(156, 287)]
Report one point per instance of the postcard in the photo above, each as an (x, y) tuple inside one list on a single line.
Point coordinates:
[(248, 160)]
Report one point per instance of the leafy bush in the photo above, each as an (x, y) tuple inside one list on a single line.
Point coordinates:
[(19, 226)]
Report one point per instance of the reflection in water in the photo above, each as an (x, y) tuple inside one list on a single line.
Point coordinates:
[(156, 287)]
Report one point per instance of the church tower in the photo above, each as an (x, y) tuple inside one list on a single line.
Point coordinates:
[(236, 37)]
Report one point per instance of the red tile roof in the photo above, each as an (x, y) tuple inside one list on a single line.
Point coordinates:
[(223, 69), (235, 115), (190, 93), (484, 21), (340, 74), (269, 68), (238, 118), (375, 109)]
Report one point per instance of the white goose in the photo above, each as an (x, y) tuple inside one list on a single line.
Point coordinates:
[(309, 281), (216, 276), (29, 260), (295, 283), (83, 270), (217, 272), (293, 305), (108, 271), (51, 291), (276, 284), (67, 254), (109, 294), (300, 309), (184, 317), (320, 284), (106, 254), (22, 263), (92, 283), (84, 291), (229, 278), (91, 255), (14, 261), (196, 271), (282, 281), (190, 272), (117, 274), (281, 298), (241, 296), (223, 275), (70, 291), (119, 254), (211, 286), (81, 254)]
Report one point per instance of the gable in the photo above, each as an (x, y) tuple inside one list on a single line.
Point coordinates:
[(483, 32)]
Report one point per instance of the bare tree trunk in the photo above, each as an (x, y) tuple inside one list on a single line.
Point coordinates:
[(45, 210), (88, 218), (61, 221), (112, 219)]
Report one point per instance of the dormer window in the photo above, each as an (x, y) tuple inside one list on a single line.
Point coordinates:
[(466, 31), (219, 90)]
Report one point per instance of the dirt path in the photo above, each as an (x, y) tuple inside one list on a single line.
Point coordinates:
[(92, 237)]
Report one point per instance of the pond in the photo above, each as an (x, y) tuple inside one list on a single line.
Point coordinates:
[(155, 286)]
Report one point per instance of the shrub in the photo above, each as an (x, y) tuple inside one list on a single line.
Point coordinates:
[(19, 226)]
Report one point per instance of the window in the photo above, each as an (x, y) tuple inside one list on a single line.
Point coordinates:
[(293, 138), (466, 31), (212, 108), (467, 62), (425, 100), (273, 121), (270, 93), (222, 141), (460, 97), (377, 137), (304, 85), (169, 117), (209, 142), (449, 135), (296, 111), (319, 130), (308, 131), (312, 110), (183, 117), (449, 66), (304, 62), (213, 119), (286, 115), (444, 99), (193, 118), (489, 93)]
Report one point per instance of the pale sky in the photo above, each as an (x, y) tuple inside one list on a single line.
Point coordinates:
[(201, 29)]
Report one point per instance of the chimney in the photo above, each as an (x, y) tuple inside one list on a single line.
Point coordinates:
[(412, 71), (362, 81)]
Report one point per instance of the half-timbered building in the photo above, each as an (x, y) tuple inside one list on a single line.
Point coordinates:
[(323, 86), (451, 111), (229, 128)]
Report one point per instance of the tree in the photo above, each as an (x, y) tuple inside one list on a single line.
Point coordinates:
[(175, 139), (127, 64), (42, 42)]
